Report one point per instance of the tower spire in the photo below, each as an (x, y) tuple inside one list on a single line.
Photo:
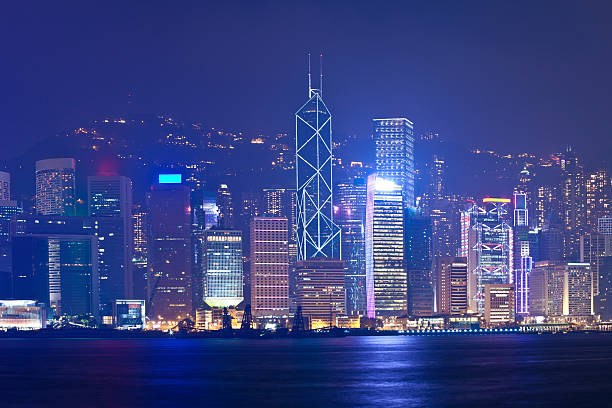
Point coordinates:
[(321, 74), (309, 81)]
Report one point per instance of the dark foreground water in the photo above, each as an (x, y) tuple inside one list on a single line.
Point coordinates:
[(449, 371)]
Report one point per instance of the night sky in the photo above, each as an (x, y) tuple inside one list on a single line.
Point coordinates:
[(513, 76)]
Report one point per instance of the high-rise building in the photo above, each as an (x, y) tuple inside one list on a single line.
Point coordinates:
[(451, 289), (140, 245), (603, 302), (578, 290), (546, 205), (394, 140), (169, 255), (222, 268), (598, 198), (320, 290), (5, 186), (573, 204), (55, 261), (546, 288), (593, 248), (486, 242), (269, 262), (604, 225), (110, 204), (418, 263), (350, 216), (210, 209), (523, 261), (55, 187), (225, 204), (386, 278), (499, 304), (445, 218), (8, 209), (317, 235)]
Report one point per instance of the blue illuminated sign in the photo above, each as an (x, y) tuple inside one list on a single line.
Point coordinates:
[(170, 179)]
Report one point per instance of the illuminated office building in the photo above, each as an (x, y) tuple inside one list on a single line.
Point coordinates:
[(451, 289), (225, 204), (350, 216), (604, 225), (320, 290), (578, 290), (8, 209), (222, 268), (211, 210), (486, 242), (386, 279), (55, 261), (55, 187), (5, 186), (444, 213), (394, 140), (499, 304), (593, 248), (546, 288), (140, 246), (169, 255), (317, 235), (418, 263), (269, 263), (573, 200), (598, 198), (603, 302), (523, 261), (110, 204)]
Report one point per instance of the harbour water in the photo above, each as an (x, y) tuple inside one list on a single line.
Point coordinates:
[(429, 371)]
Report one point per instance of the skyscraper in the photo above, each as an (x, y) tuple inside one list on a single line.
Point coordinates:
[(350, 216), (140, 236), (394, 140), (418, 262), (5, 186), (169, 257), (222, 268), (386, 279), (110, 204), (573, 204), (320, 290), (225, 203), (317, 235), (523, 261), (499, 304), (486, 242), (55, 187), (578, 290), (269, 266), (452, 281), (546, 288), (55, 261), (598, 198)]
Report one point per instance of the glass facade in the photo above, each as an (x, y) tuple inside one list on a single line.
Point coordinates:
[(386, 278), (394, 140), (222, 262), (317, 235)]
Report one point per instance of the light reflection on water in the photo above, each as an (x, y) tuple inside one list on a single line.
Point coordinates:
[(503, 370)]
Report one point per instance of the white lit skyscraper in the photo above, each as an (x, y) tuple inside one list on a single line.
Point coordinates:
[(394, 140), (386, 279), (55, 187)]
